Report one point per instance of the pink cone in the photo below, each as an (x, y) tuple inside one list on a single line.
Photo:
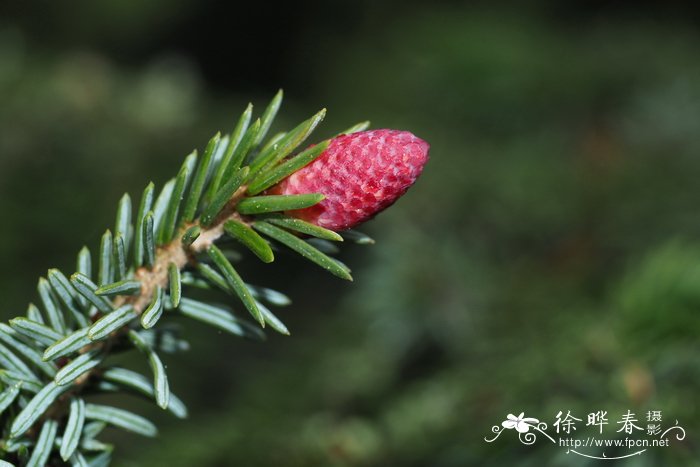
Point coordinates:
[(360, 174)]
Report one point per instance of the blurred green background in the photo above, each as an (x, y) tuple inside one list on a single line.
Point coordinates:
[(548, 259)]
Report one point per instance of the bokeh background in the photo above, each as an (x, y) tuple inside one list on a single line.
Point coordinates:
[(548, 259)]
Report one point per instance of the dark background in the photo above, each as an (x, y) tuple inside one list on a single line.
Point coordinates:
[(547, 260)]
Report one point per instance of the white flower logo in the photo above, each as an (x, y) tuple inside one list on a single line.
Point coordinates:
[(521, 423)]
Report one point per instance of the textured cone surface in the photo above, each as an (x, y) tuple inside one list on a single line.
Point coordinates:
[(360, 175)]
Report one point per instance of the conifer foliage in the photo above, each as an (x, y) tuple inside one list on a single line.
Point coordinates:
[(180, 237)]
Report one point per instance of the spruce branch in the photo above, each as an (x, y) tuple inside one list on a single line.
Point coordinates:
[(242, 187)]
